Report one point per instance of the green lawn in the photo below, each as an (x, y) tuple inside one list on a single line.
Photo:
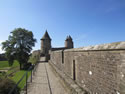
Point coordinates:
[(5, 64), (18, 75), (9, 69)]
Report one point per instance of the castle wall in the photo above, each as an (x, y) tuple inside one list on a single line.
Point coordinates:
[(98, 69)]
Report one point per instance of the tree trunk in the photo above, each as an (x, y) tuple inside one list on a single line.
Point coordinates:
[(20, 66)]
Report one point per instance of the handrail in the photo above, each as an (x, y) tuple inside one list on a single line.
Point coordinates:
[(25, 74), (34, 70)]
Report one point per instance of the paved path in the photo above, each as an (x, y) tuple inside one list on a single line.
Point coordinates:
[(45, 82)]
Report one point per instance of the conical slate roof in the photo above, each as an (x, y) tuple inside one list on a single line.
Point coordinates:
[(68, 38), (46, 36)]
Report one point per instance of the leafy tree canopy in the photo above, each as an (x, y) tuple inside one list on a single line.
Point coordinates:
[(19, 45)]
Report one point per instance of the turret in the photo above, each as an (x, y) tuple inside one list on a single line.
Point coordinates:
[(45, 44), (69, 42)]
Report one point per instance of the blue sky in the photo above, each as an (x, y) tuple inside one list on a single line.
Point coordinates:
[(89, 22)]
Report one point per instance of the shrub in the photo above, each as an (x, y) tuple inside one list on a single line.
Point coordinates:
[(6, 85), (35, 56), (27, 66)]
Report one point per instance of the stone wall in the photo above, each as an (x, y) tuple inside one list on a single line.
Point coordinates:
[(45, 46), (99, 69)]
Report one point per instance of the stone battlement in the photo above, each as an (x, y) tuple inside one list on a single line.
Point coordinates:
[(98, 69), (109, 46)]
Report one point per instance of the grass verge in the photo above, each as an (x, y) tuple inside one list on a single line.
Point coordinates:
[(18, 75), (14, 70), (5, 64)]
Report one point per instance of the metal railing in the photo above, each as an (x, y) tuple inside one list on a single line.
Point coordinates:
[(35, 68), (25, 76)]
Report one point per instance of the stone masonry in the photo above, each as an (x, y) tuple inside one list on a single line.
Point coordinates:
[(45, 81), (98, 69)]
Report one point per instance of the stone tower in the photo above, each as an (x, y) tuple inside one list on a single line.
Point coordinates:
[(45, 44), (69, 42)]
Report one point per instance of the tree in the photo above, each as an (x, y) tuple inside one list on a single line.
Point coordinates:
[(18, 46)]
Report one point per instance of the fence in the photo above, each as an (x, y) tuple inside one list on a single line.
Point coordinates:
[(23, 81)]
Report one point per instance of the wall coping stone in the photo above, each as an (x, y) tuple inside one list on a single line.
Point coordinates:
[(109, 46)]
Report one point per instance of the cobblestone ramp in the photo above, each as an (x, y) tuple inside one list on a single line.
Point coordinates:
[(45, 82)]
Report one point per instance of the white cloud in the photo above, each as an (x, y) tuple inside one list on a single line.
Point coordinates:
[(1, 51), (1, 41)]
